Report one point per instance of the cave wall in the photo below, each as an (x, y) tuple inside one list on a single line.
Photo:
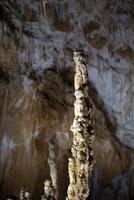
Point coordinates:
[(37, 40)]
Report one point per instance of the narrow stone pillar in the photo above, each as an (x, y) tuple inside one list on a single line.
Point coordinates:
[(27, 196), (53, 168), (48, 191), (51, 186), (22, 194), (82, 162)]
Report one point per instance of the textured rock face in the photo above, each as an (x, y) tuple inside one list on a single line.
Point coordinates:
[(82, 162), (36, 92)]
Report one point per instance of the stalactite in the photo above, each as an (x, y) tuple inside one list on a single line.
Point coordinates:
[(45, 2), (82, 162), (59, 6), (20, 36)]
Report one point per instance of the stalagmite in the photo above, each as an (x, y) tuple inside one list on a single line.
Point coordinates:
[(22, 194), (82, 162), (48, 191), (50, 186), (53, 167), (27, 196)]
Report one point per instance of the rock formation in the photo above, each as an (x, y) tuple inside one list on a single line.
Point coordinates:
[(24, 195), (37, 93), (51, 186), (53, 168), (82, 161), (48, 191)]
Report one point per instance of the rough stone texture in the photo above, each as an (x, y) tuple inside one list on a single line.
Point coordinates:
[(82, 162), (53, 168), (51, 186), (48, 191), (36, 92), (24, 195)]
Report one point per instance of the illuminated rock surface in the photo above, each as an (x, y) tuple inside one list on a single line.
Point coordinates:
[(36, 92), (81, 163)]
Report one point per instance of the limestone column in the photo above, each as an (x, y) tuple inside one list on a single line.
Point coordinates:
[(82, 162), (48, 191), (22, 194), (53, 168), (51, 186)]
